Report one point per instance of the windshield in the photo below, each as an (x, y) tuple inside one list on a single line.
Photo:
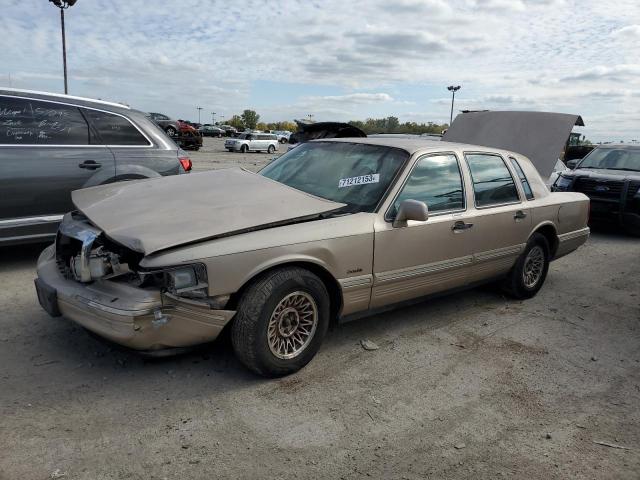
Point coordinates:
[(613, 159), (351, 173)]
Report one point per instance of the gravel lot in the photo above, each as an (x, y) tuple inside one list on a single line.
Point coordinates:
[(466, 386)]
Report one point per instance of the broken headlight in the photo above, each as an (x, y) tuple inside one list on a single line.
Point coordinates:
[(187, 281)]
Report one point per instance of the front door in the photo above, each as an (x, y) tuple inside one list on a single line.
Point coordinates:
[(425, 257)]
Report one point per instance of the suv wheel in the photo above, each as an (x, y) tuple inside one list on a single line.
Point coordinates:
[(271, 149), (244, 149), (530, 271), (281, 321)]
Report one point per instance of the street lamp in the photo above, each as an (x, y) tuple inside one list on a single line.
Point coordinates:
[(213, 118), (199, 108), (63, 5), (453, 91)]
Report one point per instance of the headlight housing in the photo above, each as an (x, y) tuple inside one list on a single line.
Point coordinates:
[(187, 280), (562, 182)]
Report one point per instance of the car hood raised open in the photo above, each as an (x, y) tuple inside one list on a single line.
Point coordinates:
[(152, 215), (540, 136)]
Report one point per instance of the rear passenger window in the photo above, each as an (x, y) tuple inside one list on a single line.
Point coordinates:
[(492, 181), (34, 122), (436, 181), (523, 179), (114, 129)]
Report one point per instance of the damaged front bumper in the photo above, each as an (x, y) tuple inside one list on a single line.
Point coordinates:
[(139, 318)]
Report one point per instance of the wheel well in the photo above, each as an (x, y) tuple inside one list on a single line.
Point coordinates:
[(549, 232), (331, 284)]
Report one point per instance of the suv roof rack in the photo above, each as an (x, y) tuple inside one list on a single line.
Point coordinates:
[(62, 95)]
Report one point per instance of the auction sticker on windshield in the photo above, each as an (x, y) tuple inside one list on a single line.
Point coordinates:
[(361, 180)]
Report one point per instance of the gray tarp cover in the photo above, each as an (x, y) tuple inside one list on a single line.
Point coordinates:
[(160, 213), (540, 136)]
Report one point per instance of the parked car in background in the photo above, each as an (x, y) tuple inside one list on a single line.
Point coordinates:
[(315, 131), (169, 125), (252, 142), (53, 144), (331, 229), (282, 135), (610, 176), (229, 130), (211, 131)]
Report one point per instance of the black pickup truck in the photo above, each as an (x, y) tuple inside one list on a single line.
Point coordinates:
[(610, 176)]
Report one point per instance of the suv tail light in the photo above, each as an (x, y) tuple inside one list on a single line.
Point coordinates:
[(186, 163)]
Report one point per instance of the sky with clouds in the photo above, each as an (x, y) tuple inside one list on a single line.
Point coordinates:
[(338, 59)]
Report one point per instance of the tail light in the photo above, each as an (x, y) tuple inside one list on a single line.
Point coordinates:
[(186, 163)]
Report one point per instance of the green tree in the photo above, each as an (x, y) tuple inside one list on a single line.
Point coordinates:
[(236, 122), (250, 118)]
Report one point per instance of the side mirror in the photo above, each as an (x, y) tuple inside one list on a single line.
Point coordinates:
[(571, 164), (411, 210)]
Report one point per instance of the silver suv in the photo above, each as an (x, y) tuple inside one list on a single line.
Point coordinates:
[(52, 144), (253, 142)]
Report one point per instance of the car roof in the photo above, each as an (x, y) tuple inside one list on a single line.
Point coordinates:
[(619, 145), (416, 144), (60, 97)]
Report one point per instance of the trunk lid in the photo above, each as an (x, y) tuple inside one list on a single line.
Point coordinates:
[(540, 136)]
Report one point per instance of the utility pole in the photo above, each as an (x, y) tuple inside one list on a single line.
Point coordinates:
[(63, 5), (199, 108), (453, 91), (213, 118)]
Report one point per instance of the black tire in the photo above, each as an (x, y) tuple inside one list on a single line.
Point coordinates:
[(244, 149), (515, 284), (249, 331), (172, 132), (271, 149)]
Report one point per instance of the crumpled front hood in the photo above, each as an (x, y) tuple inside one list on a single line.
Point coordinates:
[(156, 214)]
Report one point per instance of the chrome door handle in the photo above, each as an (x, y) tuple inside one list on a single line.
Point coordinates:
[(460, 226), (520, 215), (90, 164)]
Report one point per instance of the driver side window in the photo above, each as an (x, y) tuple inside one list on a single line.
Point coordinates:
[(436, 181)]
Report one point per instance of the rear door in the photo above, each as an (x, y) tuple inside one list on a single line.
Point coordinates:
[(502, 219), (45, 153)]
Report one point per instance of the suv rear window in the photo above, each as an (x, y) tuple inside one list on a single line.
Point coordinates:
[(25, 121), (114, 129)]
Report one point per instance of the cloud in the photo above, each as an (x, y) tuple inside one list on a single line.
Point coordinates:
[(630, 32), (355, 98), (615, 73)]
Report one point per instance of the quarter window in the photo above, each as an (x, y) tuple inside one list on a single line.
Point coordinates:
[(114, 129), (34, 122), (436, 181), (523, 179), (492, 181)]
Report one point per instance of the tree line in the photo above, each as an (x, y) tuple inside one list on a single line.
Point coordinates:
[(250, 119)]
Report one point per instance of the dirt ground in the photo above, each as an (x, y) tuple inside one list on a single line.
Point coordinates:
[(472, 385)]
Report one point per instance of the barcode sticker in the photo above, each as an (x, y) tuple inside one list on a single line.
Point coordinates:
[(361, 180)]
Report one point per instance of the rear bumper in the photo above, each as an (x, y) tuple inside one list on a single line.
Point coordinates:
[(137, 318), (568, 242)]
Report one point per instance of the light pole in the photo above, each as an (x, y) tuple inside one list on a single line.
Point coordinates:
[(453, 91), (213, 118), (310, 117), (199, 108), (63, 5)]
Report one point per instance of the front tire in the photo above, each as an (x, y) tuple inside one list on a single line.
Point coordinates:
[(281, 321), (530, 271), (271, 149), (244, 149), (172, 132)]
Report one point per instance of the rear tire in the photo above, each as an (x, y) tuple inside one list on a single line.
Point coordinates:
[(171, 131), (530, 271), (271, 149), (281, 321)]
